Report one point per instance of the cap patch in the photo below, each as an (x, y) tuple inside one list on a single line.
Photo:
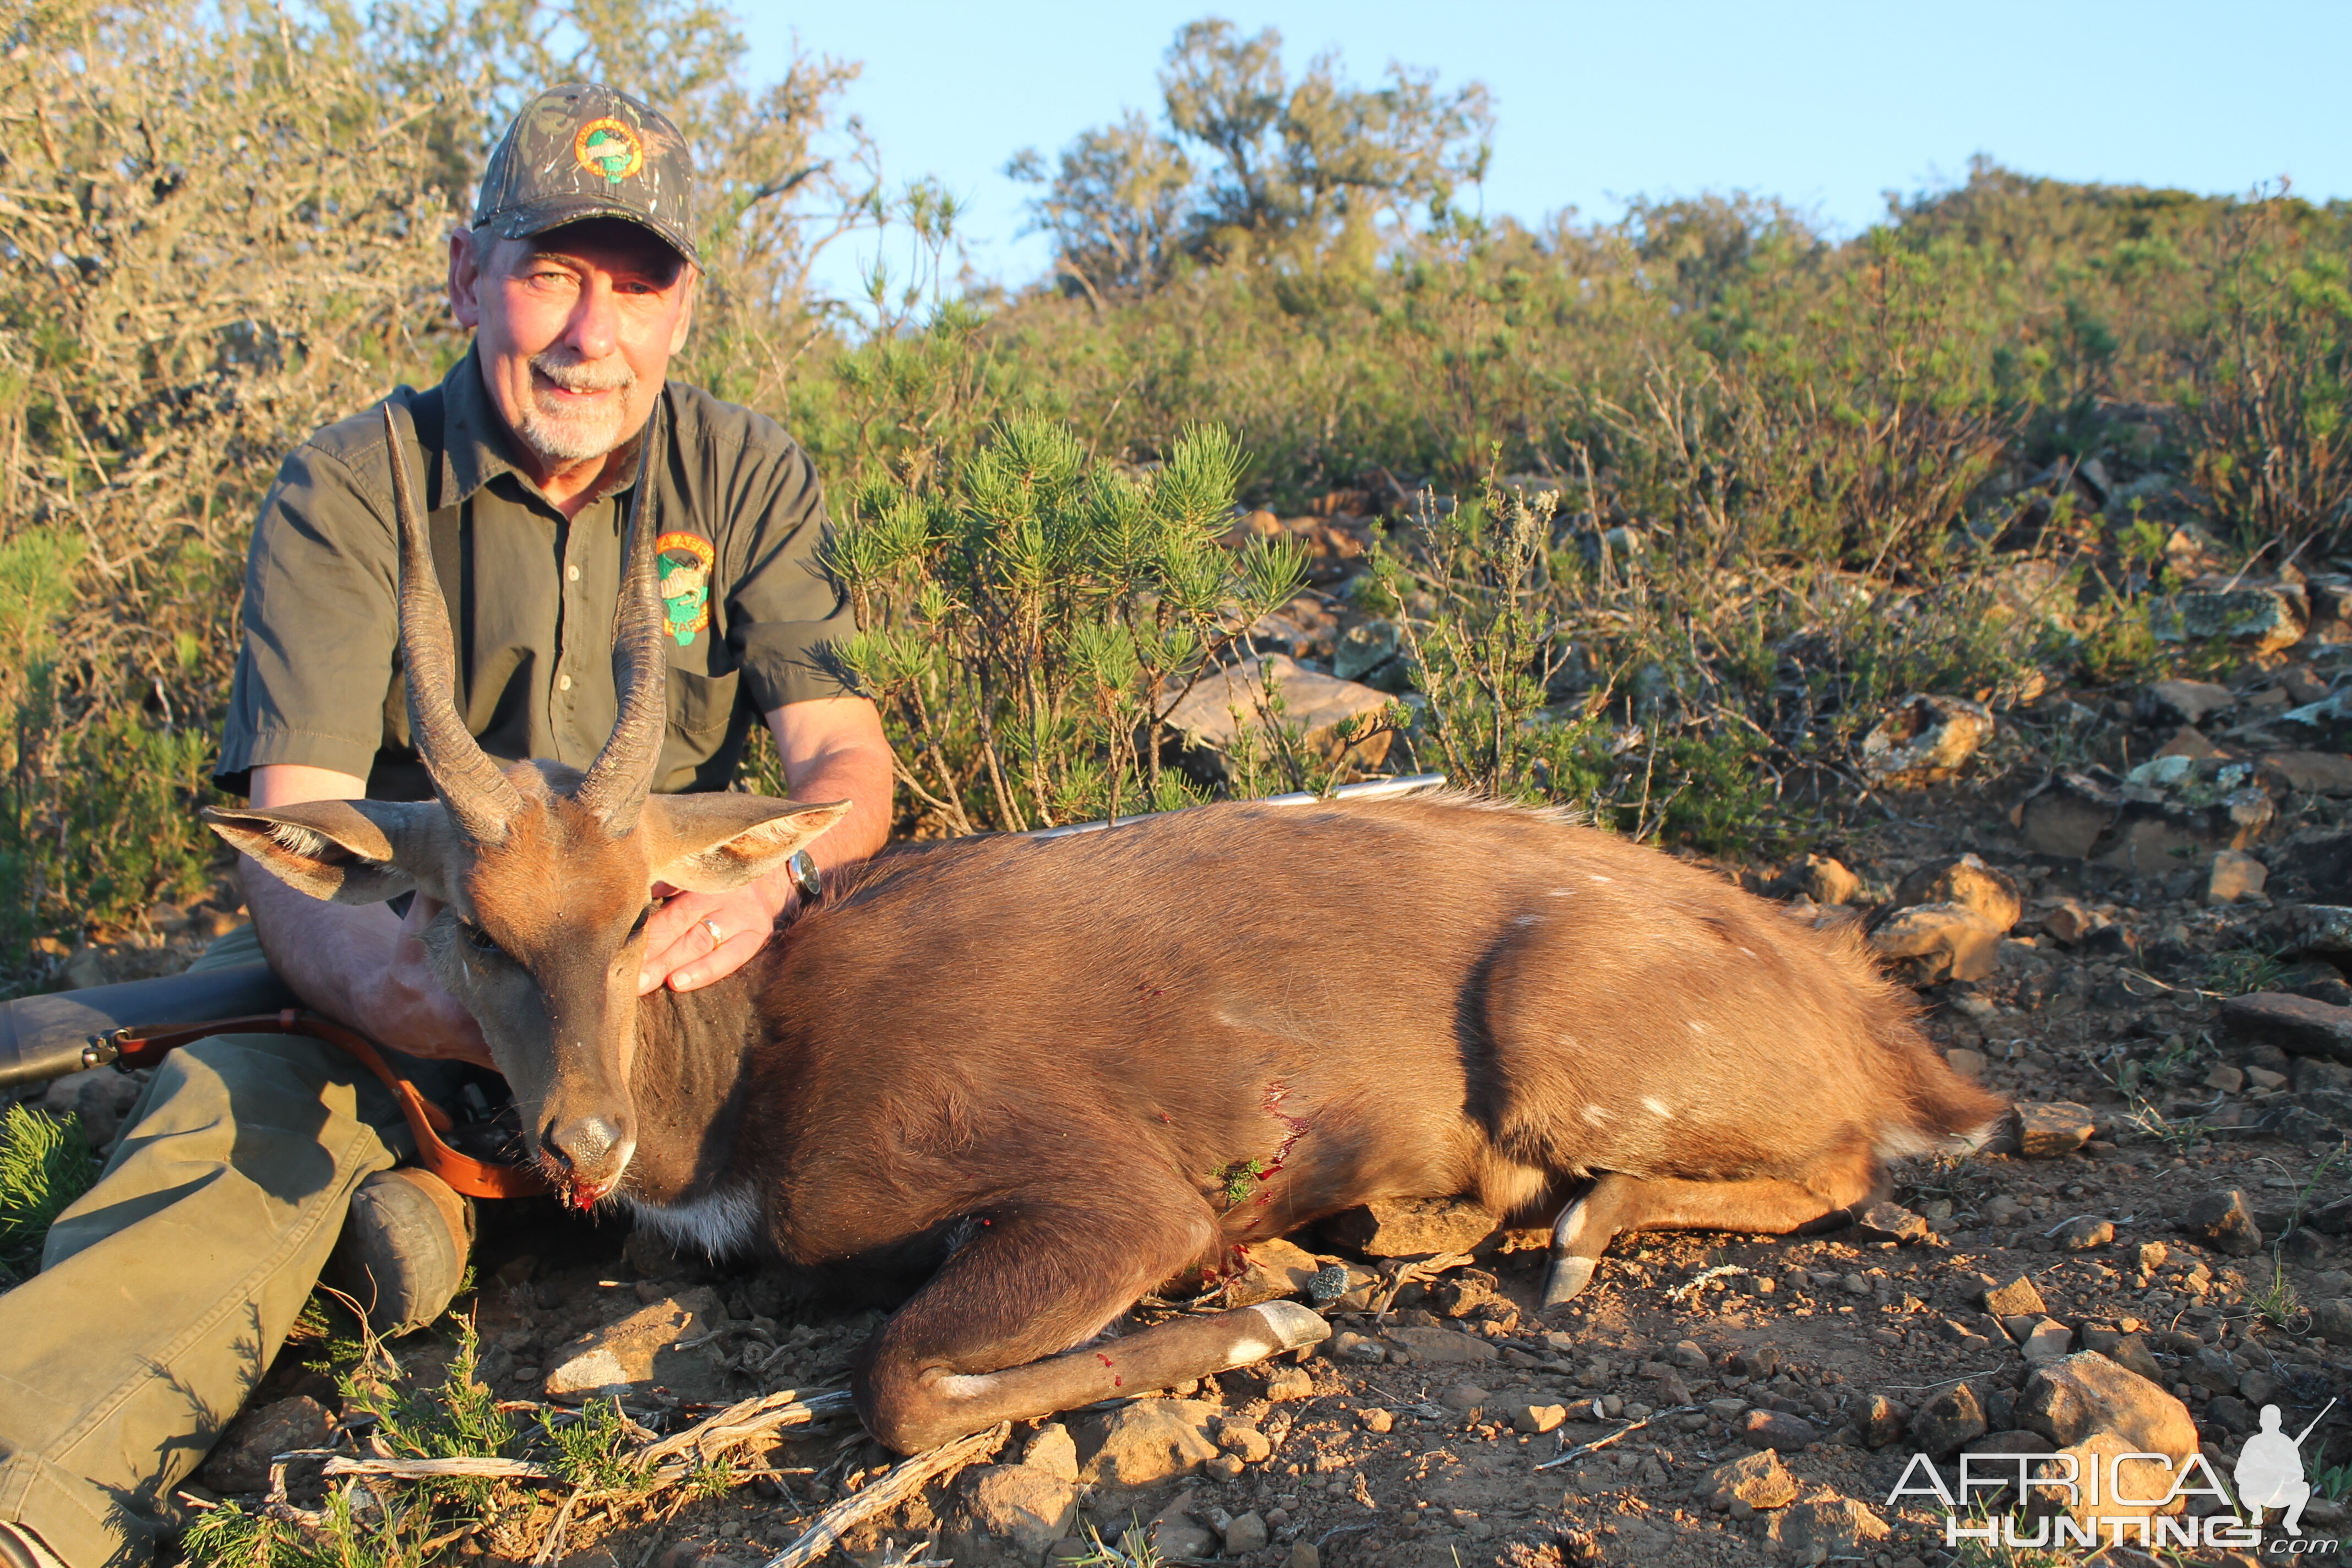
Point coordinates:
[(609, 148), (684, 561)]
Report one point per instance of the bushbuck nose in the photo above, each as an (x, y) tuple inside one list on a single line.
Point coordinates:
[(593, 1151)]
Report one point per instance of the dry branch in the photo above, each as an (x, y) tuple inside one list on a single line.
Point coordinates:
[(892, 1489)]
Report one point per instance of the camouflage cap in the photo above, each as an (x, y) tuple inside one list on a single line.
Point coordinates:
[(579, 151)]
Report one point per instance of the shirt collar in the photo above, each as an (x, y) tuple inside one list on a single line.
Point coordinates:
[(474, 442)]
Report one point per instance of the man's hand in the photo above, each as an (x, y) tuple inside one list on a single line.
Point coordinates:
[(409, 1009), (696, 938)]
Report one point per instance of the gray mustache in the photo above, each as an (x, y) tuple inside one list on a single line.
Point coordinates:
[(573, 376)]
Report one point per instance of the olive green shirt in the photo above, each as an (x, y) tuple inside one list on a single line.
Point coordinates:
[(532, 594)]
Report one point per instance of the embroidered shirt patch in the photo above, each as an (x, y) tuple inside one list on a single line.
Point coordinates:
[(609, 148), (684, 561)]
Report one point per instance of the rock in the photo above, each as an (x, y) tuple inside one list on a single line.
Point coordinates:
[(2234, 875), (2188, 701), (99, 1097), (2066, 815), (239, 1462), (1967, 880), (2070, 1399), (2046, 1341), (2016, 1299), (1245, 1442), (1883, 1221), (1760, 1479), (1881, 1420), (1286, 1385), (2333, 1319), (2086, 1233), (1304, 1555), (2150, 838), (1536, 1418), (2229, 1412), (2312, 773), (1411, 1227), (1245, 1535), (2226, 1078), (1212, 714), (1175, 1534), (1443, 1345), (1376, 1420), (1952, 1417), (1777, 1429), (1930, 944), (638, 1358), (2225, 1222), (2257, 618), (1965, 1062), (2296, 1025), (1054, 1451), (1364, 647), (2047, 1130), (1924, 740), (1016, 1512), (2068, 921), (1151, 1441), (1826, 882), (1463, 1398), (2121, 1478), (1820, 1529), (1271, 1270)]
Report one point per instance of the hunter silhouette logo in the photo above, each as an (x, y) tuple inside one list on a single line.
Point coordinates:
[(2269, 1472), (609, 148)]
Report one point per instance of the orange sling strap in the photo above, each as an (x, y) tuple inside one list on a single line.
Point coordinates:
[(146, 1045)]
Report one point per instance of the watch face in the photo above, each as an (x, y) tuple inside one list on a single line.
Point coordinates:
[(805, 877)]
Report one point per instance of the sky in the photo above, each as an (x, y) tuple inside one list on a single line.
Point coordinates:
[(1827, 106)]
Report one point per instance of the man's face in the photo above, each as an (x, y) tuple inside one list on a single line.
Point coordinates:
[(574, 330)]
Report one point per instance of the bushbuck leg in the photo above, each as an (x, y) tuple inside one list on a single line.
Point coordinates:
[(1765, 1206), (959, 1356)]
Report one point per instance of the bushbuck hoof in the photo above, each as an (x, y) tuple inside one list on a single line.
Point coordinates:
[(1568, 1277)]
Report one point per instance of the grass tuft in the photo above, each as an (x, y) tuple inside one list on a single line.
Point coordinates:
[(45, 1164)]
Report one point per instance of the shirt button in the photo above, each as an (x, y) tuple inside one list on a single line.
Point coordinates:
[(563, 683), (572, 572)]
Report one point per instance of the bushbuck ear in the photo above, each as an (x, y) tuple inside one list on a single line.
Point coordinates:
[(710, 843), (345, 851)]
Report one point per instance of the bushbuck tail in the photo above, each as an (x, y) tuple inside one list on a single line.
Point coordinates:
[(1031, 1080)]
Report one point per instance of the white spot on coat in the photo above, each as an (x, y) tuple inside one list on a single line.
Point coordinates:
[(1655, 1106), (1595, 1115)]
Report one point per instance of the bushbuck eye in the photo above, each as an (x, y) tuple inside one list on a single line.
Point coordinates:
[(480, 940)]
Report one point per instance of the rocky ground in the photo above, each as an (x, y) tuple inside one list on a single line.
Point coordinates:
[(2144, 955)]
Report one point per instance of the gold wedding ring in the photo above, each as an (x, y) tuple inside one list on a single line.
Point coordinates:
[(712, 927)]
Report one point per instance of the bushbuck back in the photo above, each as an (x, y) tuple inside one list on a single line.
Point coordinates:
[(1037, 1079)]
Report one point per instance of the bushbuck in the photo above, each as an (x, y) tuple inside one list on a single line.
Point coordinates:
[(1036, 1080)]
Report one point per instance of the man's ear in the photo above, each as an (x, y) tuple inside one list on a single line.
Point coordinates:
[(346, 851), (711, 843)]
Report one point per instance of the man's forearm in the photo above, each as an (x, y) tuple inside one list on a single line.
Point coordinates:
[(326, 953)]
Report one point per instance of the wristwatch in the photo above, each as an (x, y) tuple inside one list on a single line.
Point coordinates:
[(803, 870)]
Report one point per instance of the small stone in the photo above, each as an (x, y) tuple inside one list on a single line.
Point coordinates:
[(1854, 1285), (1967, 1063), (2225, 1077), (1304, 1555), (1688, 1355), (1377, 1419), (1931, 943), (2047, 1340), (1827, 881), (1018, 1509), (1270, 1271), (2234, 875), (2065, 815), (1824, 1528), (2229, 1412), (1443, 1345), (1411, 1227), (1924, 740), (1881, 1421), (2333, 1319), (2086, 1234), (2068, 923), (2188, 701), (1463, 1398), (1537, 1419), (1777, 1429), (1952, 1417), (1760, 1479), (1245, 1535), (2264, 1081), (1151, 1441), (1054, 1451), (2016, 1299), (2048, 1130), (2068, 1400), (2151, 1256), (240, 1461), (663, 1352), (1319, 705), (2296, 1025), (1288, 1383), (1883, 1221), (2225, 1222), (1246, 1442), (1968, 881)]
